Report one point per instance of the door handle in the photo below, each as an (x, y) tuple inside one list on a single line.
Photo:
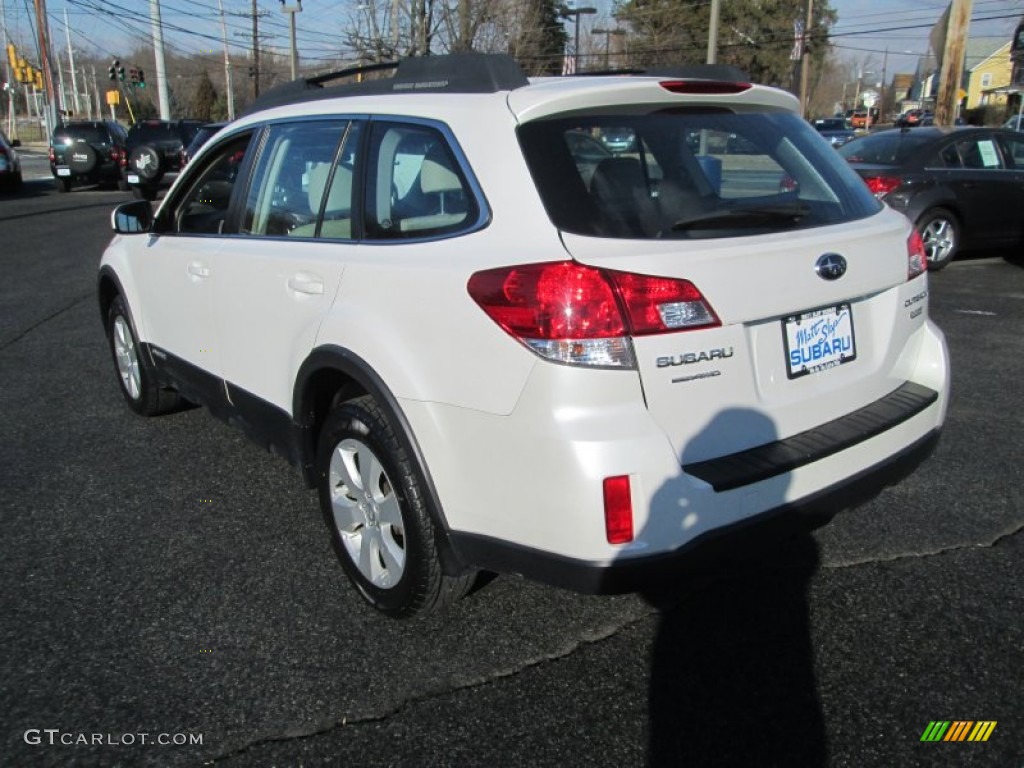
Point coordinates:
[(306, 283), (198, 269)]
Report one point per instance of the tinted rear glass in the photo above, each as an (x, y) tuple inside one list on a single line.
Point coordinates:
[(141, 134), (90, 133), (885, 148), (689, 174)]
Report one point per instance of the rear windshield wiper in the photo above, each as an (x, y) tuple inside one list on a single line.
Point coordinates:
[(751, 216)]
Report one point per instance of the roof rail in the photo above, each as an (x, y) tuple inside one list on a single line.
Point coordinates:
[(451, 73)]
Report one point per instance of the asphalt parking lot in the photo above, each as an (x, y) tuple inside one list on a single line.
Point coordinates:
[(166, 577)]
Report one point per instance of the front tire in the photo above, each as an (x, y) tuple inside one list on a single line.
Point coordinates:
[(137, 379), (375, 507), (940, 233)]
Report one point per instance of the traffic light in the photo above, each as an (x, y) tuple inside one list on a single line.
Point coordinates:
[(142, 79), (38, 80), (112, 72), (120, 73), (12, 55), (133, 75)]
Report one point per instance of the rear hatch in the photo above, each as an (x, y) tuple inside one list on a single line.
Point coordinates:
[(802, 273)]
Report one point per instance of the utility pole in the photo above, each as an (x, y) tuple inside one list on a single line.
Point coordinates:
[(255, 51), (953, 62), (71, 63), (43, 31), (291, 18), (11, 123), (713, 32), (805, 58), (158, 50), (229, 84)]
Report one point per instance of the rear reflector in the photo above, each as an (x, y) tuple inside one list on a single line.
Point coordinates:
[(703, 87), (618, 510)]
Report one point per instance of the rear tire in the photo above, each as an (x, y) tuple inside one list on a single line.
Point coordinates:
[(373, 501), (63, 185), (940, 233), (137, 379)]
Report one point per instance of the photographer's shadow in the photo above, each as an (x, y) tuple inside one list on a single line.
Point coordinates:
[(732, 668)]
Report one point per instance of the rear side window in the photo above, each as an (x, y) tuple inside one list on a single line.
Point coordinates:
[(415, 186), (885, 148), (290, 177), (689, 174)]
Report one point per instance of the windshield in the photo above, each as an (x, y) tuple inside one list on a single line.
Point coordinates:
[(686, 173)]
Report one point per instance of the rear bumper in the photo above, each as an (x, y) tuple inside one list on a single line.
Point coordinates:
[(731, 541)]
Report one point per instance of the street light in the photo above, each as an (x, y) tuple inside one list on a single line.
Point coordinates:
[(566, 12), (291, 17), (607, 41)]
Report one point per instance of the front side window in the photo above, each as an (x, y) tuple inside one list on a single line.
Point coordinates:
[(689, 173), (289, 178), (203, 208), (415, 186)]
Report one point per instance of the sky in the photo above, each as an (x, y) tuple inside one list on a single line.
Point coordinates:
[(866, 29)]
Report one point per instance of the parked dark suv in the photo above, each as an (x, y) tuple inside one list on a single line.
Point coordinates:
[(154, 154), (87, 151)]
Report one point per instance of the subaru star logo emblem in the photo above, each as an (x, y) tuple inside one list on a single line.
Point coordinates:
[(830, 266)]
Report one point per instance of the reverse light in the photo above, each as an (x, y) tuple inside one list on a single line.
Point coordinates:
[(618, 510), (917, 259), (881, 186), (703, 87), (580, 315)]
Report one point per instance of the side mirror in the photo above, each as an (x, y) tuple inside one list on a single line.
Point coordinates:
[(132, 218)]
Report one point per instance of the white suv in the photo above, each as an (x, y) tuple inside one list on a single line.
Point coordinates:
[(494, 340)]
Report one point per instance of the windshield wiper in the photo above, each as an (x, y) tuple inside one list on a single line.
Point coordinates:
[(752, 216)]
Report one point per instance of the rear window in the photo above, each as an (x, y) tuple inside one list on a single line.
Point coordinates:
[(89, 133), (689, 174), (885, 148)]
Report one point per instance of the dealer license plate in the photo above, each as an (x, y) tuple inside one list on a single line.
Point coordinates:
[(818, 340), (63, 171), (133, 178)]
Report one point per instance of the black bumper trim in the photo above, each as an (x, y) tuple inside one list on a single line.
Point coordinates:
[(756, 464), (729, 542)]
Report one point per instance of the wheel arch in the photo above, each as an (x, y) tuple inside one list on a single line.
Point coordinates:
[(332, 374), (108, 286)]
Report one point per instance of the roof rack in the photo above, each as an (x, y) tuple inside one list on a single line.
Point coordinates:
[(451, 73)]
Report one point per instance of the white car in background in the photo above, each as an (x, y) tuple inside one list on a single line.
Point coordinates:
[(487, 353)]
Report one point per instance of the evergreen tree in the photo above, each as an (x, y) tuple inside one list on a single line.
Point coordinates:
[(204, 99), (540, 43)]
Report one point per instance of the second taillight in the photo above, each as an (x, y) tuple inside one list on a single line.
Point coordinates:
[(881, 186), (582, 315)]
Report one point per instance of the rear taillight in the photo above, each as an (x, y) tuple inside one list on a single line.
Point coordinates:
[(581, 315), (115, 154), (917, 259), (881, 186), (703, 87), (53, 156)]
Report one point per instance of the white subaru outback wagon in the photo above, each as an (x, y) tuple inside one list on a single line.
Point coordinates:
[(574, 328)]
